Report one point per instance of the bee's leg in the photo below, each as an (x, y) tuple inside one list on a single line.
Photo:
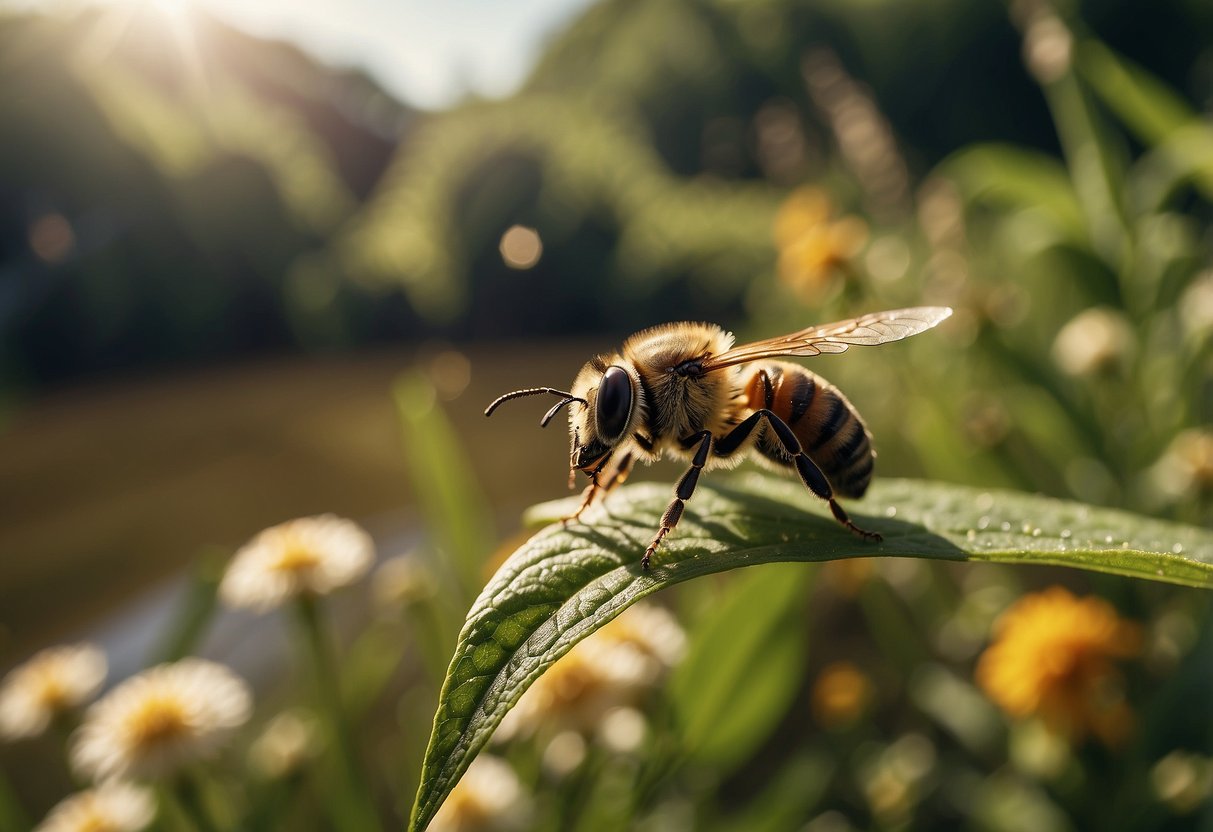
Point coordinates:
[(591, 491), (619, 473), (614, 476), (682, 493), (809, 473)]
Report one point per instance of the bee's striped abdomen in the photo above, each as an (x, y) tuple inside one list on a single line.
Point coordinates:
[(827, 425)]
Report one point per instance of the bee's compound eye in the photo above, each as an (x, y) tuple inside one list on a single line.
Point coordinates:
[(614, 404)]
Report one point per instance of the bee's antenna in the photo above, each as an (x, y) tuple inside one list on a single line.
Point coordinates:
[(547, 417), (566, 398)]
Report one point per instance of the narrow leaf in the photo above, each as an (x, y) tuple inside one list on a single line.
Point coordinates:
[(1156, 115), (455, 509), (743, 666), (568, 581), (1006, 176), (1145, 104)]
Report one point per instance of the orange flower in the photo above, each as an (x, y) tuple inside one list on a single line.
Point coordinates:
[(812, 245), (1052, 657), (840, 694), (847, 576)]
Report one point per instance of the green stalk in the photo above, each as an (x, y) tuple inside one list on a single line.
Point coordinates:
[(185, 796), (63, 725), (12, 813), (357, 808), (194, 615), (891, 627)]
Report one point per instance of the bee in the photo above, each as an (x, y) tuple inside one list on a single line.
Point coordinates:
[(685, 390)]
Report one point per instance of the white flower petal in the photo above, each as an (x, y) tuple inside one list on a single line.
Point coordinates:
[(113, 806), (313, 555), (161, 719), (55, 680)]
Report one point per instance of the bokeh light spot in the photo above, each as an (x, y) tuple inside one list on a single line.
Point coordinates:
[(51, 238), (521, 247)]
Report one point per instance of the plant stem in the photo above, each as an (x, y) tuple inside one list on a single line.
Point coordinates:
[(186, 795), (357, 808), (63, 726), (12, 814)]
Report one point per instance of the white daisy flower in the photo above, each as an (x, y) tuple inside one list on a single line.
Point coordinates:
[(1094, 341), (311, 555), (54, 681), (111, 807), (489, 797), (651, 630), (160, 720)]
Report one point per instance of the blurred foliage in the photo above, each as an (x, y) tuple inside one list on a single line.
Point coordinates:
[(646, 148), (154, 193)]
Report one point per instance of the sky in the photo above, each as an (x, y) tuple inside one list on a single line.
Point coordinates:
[(430, 54)]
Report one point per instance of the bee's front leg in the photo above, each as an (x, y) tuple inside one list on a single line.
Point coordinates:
[(686, 487), (591, 490), (619, 474)]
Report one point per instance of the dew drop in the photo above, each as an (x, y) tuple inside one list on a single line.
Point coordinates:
[(1124, 544), (1006, 527), (1027, 528), (1107, 538), (1065, 534), (984, 501), (984, 522), (891, 511), (1036, 532), (1177, 548), (971, 534)]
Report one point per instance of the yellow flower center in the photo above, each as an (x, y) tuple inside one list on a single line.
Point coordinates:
[(158, 720), (296, 557), (95, 822), (51, 691), (466, 809)]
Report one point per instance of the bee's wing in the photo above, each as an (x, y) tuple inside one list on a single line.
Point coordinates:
[(868, 330)]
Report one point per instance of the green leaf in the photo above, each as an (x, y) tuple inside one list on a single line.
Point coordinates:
[(743, 667), (568, 581), (455, 509), (1178, 138), (1145, 104), (1010, 177), (795, 789), (192, 615)]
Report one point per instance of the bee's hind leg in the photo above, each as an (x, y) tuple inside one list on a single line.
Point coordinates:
[(809, 473), (682, 493)]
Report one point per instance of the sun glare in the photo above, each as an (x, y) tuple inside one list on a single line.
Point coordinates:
[(175, 8), (161, 19), (168, 7)]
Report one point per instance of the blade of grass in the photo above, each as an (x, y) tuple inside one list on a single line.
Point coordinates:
[(456, 513), (194, 614), (743, 667)]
